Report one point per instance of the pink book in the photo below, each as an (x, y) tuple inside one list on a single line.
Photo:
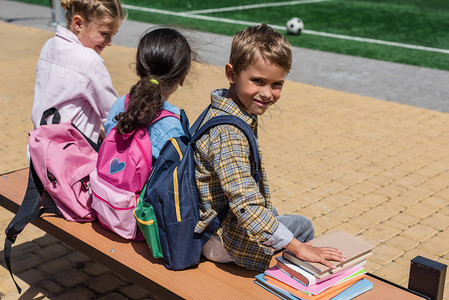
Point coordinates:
[(277, 273)]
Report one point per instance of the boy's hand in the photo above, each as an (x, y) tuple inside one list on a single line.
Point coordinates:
[(307, 252)]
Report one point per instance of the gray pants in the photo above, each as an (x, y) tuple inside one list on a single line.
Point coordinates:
[(300, 226)]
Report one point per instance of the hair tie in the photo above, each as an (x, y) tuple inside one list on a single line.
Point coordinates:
[(152, 80)]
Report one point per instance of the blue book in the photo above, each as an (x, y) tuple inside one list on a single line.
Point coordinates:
[(281, 293), (354, 290)]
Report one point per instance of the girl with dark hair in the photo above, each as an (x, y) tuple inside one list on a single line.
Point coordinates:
[(125, 158), (163, 61)]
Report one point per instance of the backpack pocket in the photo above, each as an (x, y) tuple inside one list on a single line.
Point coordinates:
[(184, 246), (81, 191), (147, 222), (114, 207)]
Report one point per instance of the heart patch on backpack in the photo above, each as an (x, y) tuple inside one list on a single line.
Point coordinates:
[(116, 166)]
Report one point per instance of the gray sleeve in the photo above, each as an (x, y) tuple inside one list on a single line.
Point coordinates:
[(281, 238)]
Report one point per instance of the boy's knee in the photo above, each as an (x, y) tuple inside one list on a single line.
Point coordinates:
[(308, 231), (214, 250)]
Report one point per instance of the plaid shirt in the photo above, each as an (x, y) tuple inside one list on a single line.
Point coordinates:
[(224, 168)]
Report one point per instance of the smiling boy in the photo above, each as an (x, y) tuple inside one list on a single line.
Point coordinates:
[(252, 230)]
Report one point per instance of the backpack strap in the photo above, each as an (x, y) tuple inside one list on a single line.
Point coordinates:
[(95, 146), (185, 124), (28, 211), (243, 126), (51, 111), (240, 124), (189, 131), (198, 121), (126, 101), (165, 113)]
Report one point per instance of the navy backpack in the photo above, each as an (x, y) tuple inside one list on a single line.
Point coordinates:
[(171, 190)]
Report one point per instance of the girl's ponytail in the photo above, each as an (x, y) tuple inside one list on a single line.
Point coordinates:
[(145, 103), (162, 62)]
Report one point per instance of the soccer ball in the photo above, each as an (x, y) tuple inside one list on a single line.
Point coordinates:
[(295, 26)]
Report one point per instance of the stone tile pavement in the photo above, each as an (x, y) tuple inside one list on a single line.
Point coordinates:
[(376, 169)]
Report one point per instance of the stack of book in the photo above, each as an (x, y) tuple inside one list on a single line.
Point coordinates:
[(293, 278)]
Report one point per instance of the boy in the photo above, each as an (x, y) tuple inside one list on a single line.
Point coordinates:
[(252, 230)]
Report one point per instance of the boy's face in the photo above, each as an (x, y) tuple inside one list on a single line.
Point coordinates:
[(257, 87)]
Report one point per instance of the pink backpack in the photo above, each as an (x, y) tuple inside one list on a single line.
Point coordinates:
[(123, 167), (63, 158)]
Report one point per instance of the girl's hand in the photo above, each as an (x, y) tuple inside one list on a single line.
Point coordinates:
[(307, 252)]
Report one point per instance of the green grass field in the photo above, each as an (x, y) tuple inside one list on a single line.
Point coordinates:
[(417, 27)]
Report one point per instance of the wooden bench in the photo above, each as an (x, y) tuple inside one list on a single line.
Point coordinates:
[(133, 260)]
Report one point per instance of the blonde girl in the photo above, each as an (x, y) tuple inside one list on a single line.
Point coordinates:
[(70, 74)]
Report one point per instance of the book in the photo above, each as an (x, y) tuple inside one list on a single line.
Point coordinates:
[(302, 275), (319, 287), (281, 293), (355, 290), (292, 292), (325, 275), (293, 270), (352, 247)]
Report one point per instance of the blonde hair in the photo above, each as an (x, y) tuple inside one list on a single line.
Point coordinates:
[(93, 9), (262, 39)]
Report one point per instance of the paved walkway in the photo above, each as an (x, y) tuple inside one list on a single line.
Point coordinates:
[(374, 168)]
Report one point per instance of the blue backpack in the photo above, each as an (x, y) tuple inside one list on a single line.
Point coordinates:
[(172, 192)]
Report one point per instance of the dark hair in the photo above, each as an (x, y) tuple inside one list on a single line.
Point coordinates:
[(163, 61)]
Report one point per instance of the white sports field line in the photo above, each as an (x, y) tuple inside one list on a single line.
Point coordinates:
[(261, 5), (282, 28)]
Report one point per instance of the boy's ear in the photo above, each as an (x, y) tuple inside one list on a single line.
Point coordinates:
[(77, 23), (230, 74)]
